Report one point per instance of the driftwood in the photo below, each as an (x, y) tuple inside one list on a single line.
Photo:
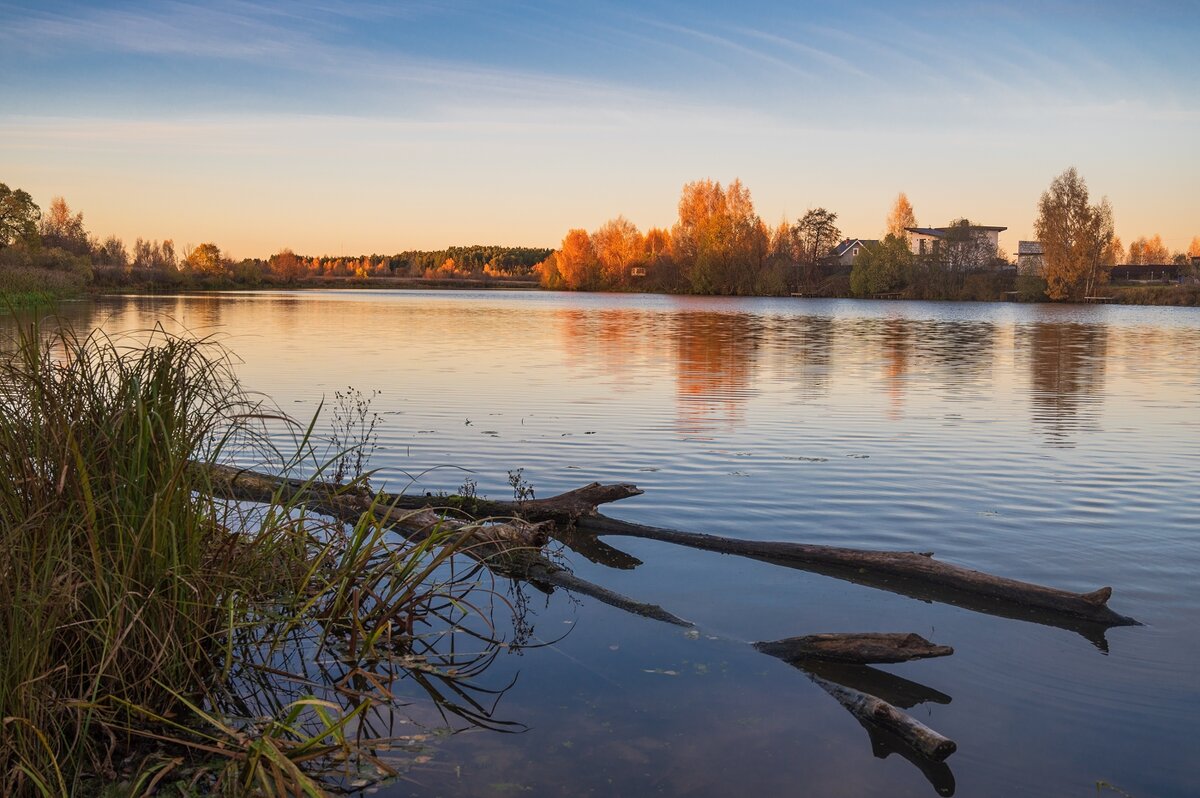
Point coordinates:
[(884, 743), (906, 566), (573, 517), (875, 711), (858, 648), (511, 549)]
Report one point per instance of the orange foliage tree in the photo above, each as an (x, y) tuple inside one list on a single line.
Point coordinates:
[(900, 218), (1149, 251), (719, 242), (618, 245), (287, 266), (577, 262)]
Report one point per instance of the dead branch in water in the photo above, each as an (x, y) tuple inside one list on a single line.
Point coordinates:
[(512, 549)]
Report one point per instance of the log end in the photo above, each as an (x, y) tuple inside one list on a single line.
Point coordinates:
[(1098, 597)]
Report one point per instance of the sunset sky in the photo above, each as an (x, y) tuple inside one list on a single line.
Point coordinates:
[(379, 126)]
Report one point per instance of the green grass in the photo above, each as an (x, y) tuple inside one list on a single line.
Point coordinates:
[(151, 630)]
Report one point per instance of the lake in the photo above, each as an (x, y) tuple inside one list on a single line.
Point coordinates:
[(1054, 444)]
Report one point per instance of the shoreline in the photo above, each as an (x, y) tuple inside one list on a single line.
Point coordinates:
[(1135, 295)]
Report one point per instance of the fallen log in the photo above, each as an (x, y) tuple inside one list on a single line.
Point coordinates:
[(858, 648), (922, 739), (511, 549), (885, 743), (903, 565), (909, 573)]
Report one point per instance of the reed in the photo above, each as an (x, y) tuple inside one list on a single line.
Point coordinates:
[(147, 626)]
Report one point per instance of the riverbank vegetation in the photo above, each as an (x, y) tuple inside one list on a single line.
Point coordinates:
[(719, 245), (155, 633)]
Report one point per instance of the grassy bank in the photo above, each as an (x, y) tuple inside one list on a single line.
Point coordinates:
[(1175, 295), (26, 286), (153, 633)]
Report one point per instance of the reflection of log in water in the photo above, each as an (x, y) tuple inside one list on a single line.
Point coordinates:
[(896, 569), (893, 689)]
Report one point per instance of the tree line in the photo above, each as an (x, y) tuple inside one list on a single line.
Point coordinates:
[(720, 245), (57, 242)]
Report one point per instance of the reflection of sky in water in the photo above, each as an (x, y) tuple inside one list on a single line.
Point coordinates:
[(1054, 444)]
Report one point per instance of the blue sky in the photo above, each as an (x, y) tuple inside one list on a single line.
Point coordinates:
[(375, 127)]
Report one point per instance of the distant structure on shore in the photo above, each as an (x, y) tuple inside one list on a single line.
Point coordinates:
[(844, 253), (1030, 257), (965, 246)]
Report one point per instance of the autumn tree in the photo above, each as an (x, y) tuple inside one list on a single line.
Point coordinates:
[(19, 216), (881, 269), (1114, 253), (548, 274), (1074, 236), (618, 245), (577, 262), (64, 230), (287, 266), (206, 259), (1149, 251), (719, 242), (1194, 249), (900, 218)]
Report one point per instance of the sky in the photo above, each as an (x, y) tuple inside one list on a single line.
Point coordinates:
[(376, 127)]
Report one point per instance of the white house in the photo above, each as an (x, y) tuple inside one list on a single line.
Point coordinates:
[(964, 246)]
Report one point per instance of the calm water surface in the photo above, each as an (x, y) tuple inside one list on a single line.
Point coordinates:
[(1059, 445)]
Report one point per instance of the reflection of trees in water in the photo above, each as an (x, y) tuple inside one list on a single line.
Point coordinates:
[(613, 342), (713, 355), (714, 365), (805, 345), (1066, 369), (897, 340), (963, 351)]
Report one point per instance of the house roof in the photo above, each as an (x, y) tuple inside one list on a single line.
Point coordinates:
[(844, 247), (1030, 248), (939, 232)]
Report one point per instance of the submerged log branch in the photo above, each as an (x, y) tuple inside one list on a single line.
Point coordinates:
[(912, 567), (511, 549), (876, 711), (861, 648)]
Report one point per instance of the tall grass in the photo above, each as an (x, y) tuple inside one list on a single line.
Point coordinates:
[(145, 621)]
